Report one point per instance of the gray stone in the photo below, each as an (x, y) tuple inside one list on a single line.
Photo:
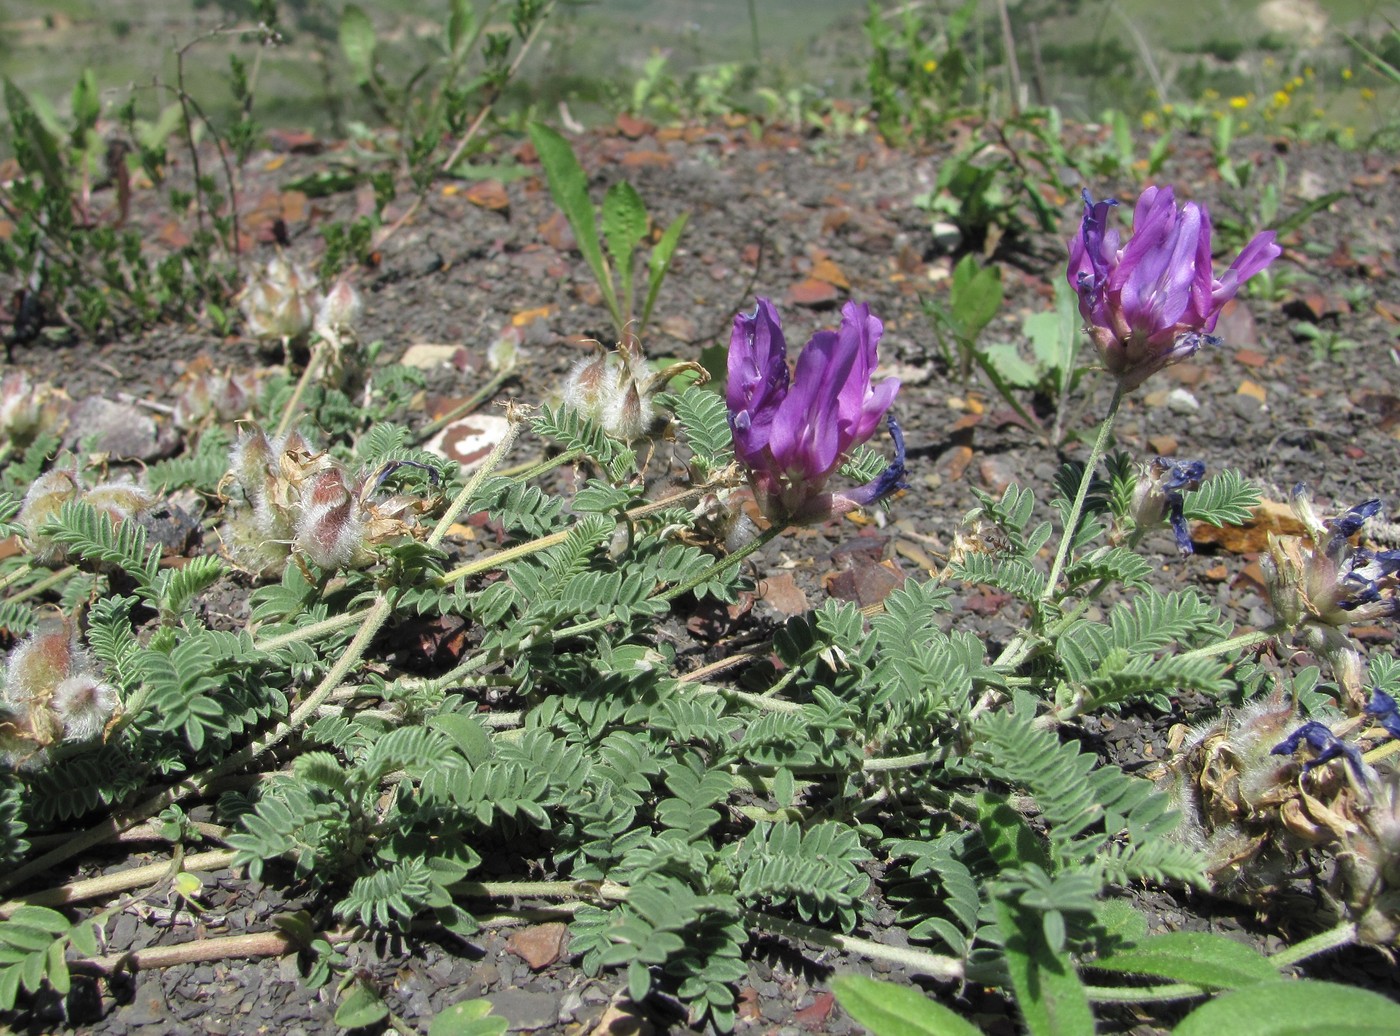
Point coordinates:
[(525, 1011), (123, 431)]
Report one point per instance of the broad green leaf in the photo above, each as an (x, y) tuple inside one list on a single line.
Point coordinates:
[(660, 264), (890, 1010), (1048, 991), (40, 917), (1121, 920), (1010, 365), (87, 105), (1301, 1008), (1008, 837), (976, 296), (1202, 958), (467, 1018), (568, 184), (624, 226), (359, 1007), (461, 24), (468, 733), (56, 967), (357, 43)]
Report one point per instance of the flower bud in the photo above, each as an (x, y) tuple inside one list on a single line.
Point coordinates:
[(46, 496), (84, 704), (331, 529), (339, 311), (279, 302)]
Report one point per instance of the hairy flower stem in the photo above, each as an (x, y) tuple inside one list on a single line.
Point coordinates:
[(18, 574), (120, 881), (47, 583), (522, 550), (725, 563), (1332, 939), (1240, 643), (312, 631), (536, 468), (313, 367), (480, 396), (1021, 646), (947, 969)]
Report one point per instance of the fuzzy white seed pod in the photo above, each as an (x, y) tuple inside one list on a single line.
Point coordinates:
[(84, 704)]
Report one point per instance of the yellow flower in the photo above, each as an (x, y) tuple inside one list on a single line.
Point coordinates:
[(930, 65), (1367, 94), (1238, 102), (1346, 73), (1281, 99), (1210, 94), (1149, 120)]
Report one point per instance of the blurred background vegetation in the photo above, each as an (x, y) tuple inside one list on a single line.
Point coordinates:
[(1313, 66)]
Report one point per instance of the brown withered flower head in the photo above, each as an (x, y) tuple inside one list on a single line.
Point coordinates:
[(1320, 583)]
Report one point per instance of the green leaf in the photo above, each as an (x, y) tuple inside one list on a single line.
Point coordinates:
[(568, 184), (467, 1018), (1201, 958), (660, 263), (359, 1007), (1048, 991), (624, 226), (1010, 365), (976, 296), (1295, 1009), (890, 1010), (461, 24), (357, 43)]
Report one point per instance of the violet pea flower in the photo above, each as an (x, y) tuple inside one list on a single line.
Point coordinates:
[(1155, 301), (791, 432)]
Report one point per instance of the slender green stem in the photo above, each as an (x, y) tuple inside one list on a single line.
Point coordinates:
[(462, 409), (947, 969), (534, 469), (503, 557), (905, 762), (460, 502), (1244, 640), (47, 583), (18, 574), (1077, 508), (311, 632), (313, 366), (724, 564), (1332, 939), (1020, 646)]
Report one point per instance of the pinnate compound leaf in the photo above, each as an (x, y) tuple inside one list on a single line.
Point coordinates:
[(1294, 1009), (890, 1010), (1201, 958)]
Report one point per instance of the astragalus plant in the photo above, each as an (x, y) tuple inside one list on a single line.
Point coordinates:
[(424, 728)]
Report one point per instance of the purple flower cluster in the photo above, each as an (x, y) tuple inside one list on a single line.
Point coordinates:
[(1155, 301), (791, 432)]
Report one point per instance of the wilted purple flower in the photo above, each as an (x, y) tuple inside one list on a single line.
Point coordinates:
[(1154, 302), (1327, 745), (1161, 493), (792, 433), (1383, 708), (1325, 578)]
